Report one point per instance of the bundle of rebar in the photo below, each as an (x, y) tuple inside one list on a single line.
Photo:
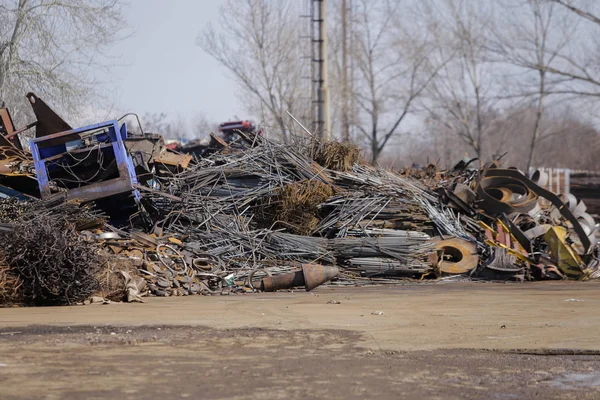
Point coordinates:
[(336, 156), (408, 247), (271, 203)]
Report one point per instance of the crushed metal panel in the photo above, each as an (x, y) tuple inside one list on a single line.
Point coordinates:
[(218, 140), (147, 147), (567, 260)]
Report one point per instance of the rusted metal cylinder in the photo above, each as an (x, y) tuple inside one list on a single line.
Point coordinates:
[(282, 281), (315, 275), (310, 276)]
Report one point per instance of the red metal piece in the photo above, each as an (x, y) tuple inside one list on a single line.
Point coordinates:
[(7, 130)]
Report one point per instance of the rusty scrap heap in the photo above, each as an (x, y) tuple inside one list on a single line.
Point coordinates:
[(99, 210)]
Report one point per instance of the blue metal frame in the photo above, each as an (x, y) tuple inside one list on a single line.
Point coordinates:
[(124, 183)]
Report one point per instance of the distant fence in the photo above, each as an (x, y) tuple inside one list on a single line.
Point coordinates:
[(557, 180), (583, 184)]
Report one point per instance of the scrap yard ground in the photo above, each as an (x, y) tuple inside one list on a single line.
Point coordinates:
[(431, 341)]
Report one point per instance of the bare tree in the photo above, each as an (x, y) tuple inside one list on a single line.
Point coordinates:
[(393, 70), (161, 123), (542, 18), (531, 38), (577, 66), (563, 126), (51, 47), (567, 140), (462, 99), (176, 127), (500, 93), (155, 123), (258, 44), (202, 126)]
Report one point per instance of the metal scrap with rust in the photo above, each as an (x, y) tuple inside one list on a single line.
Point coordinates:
[(256, 214)]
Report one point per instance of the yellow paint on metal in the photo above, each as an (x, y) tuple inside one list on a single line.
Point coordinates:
[(567, 260)]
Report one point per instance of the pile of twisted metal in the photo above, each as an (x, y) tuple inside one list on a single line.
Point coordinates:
[(255, 214)]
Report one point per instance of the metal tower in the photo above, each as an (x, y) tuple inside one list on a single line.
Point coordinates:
[(320, 92)]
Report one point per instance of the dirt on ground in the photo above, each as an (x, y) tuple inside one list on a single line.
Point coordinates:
[(443, 341)]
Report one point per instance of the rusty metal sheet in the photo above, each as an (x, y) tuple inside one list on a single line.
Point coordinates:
[(174, 159), (463, 255), (7, 128), (49, 122), (219, 140), (144, 239), (6, 121)]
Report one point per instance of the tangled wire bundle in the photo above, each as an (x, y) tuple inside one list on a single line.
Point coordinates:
[(10, 286), (53, 266)]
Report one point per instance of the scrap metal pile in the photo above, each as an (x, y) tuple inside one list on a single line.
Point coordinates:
[(261, 215)]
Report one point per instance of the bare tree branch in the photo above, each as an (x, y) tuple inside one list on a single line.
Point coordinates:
[(52, 46), (257, 47)]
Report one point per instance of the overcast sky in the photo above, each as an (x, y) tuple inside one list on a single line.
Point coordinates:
[(164, 70)]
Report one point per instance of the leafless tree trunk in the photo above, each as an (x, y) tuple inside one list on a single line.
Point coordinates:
[(258, 44), (537, 33), (541, 29), (393, 71), (461, 97)]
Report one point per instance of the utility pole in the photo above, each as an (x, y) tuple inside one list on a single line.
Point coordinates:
[(345, 91), (321, 122)]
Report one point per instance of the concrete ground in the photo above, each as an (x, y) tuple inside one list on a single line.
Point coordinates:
[(423, 341)]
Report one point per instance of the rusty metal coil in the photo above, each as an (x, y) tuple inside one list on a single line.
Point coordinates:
[(505, 195), (463, 255)]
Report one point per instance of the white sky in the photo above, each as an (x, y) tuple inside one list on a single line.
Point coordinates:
[(163, 70)]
